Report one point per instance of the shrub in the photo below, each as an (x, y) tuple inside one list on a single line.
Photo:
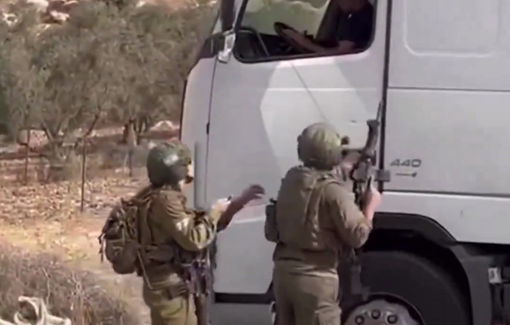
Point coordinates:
[(68, 292), (105, 65)]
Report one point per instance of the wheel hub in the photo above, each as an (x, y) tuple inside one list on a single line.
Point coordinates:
[(272, 312), (380, 312), (376, 312)]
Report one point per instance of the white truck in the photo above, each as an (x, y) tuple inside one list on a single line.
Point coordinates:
[(439, 252)]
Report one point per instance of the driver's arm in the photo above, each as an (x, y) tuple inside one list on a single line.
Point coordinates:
[(343, 47)]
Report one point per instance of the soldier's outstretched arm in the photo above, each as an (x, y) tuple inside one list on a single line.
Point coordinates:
[(191, 233), (350, 223)]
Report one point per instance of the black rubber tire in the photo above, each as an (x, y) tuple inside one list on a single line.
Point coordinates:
[(430, 289)]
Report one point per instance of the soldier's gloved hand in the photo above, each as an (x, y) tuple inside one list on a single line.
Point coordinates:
[(253, 192)]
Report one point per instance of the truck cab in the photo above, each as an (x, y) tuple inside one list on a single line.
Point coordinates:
[(439, 251)]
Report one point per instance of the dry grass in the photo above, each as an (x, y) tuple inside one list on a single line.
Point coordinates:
[(43, 218), (69, 292)]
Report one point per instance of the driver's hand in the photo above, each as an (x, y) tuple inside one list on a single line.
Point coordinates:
[(298, 37)]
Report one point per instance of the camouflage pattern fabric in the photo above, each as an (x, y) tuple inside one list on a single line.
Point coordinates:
[(305, 300), (167, 310), (316, 224), (171, 222)]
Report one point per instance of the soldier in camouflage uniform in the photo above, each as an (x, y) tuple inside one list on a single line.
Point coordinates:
[(172, 225), (316, 222)]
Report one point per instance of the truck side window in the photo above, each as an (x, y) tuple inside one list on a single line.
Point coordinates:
[(281, 29)]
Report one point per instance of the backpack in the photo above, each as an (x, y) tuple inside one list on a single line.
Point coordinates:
[(120, 240)]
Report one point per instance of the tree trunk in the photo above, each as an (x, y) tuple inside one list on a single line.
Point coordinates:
[(64, 164), (129, 134), (22, 137), (125, 131)]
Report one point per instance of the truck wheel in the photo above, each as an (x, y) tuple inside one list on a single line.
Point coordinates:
[(407, 290)]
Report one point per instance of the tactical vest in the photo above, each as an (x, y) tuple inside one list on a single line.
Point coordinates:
[(297, 208)]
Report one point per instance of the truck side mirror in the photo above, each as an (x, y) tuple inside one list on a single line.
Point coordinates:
[(229, 40)]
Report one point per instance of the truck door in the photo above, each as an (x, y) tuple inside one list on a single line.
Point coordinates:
[(262, 98)]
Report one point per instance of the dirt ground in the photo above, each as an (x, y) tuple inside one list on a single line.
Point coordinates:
[(57, 217), (48, 218)]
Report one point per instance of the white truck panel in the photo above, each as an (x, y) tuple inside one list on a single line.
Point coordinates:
[(449, 89), (454, 44), (195, 116)]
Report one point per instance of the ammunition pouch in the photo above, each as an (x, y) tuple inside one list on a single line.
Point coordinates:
[(160, 263), (270, 225)]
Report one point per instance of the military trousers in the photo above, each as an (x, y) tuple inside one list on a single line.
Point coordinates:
[(165, 309), (306, 299)]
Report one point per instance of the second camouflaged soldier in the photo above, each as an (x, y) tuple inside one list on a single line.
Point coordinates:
[(315, 223), (181, 230)]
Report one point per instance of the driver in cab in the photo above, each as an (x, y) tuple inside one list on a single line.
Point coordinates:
[(353, 37)]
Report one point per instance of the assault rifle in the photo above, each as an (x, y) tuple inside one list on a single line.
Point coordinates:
[(197, 272), (359, 165), (361, 162), (202, 286)]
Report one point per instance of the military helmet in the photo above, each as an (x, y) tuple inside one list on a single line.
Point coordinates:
[(167, 163), (320, 146)]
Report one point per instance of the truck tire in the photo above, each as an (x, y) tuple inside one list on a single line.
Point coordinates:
[(429, 289)]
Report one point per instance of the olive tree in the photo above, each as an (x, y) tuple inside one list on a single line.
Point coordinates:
[(162, 44), (108, 63), (21, 90), (56, 79)]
